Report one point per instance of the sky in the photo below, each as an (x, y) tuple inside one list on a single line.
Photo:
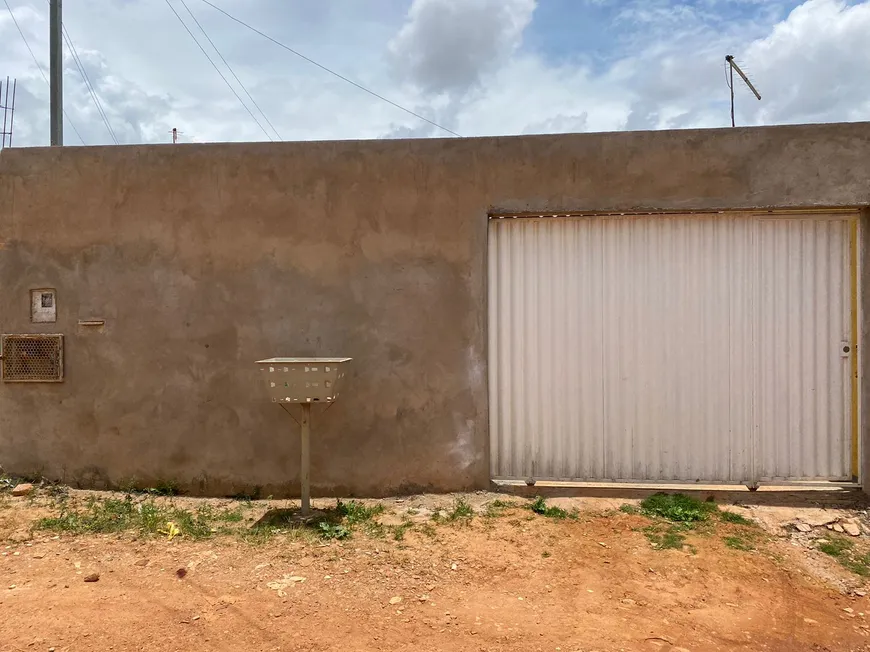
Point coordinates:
[(473, 67)]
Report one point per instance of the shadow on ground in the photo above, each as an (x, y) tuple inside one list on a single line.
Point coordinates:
[(781, 496)]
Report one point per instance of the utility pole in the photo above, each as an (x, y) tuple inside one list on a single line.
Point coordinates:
[(56, 71), (732, 66), (8, 112)]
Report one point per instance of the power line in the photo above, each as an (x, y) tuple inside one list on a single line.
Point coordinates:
[(331, 72), (232, 72), (214, 65), (39, 67), (81, 67)]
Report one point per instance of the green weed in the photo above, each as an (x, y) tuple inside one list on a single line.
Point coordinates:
[(739, 543), (354, 512), (399, 530), (678, 508), (374, 529), (736, 519), (112, 515), (843, 550), (498, 507), (545, 554), (260, 535), (231, 516), (539, 506), (332, 530), (670, 537), (628, 509), (461, 510), (160, 488)]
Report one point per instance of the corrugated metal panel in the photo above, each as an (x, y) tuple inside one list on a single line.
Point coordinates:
[(803, 392), (661, 348)]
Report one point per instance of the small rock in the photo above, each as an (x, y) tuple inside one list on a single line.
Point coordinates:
[(396, 599), (38, 555), (838, 527), (852, 529), (195, 618), (829, 526), (627, 601), (803, 527), (453, 566), (810, 621), (849, 610), (423, 598), (141, 562), (22, 489), (859, 593), (92, 577), (20, 536)]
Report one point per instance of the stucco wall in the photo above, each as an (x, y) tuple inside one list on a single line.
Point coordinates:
[(204, 258)]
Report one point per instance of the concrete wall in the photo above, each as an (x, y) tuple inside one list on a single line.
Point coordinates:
[(204, 258)]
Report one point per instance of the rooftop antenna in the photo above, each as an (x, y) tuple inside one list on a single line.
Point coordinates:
[(732, 66), (7, 107), (175, 134)]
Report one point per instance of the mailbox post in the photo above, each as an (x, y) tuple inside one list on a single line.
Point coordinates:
[(304, 381)]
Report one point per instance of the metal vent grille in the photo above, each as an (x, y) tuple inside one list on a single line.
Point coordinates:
[(32, 358)]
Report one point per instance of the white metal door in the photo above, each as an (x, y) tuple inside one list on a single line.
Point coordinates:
[(671, 348)]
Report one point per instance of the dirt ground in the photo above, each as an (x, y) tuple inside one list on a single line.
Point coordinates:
[(514, 580)]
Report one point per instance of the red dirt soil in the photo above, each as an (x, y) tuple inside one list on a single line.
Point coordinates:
[(508, 583)]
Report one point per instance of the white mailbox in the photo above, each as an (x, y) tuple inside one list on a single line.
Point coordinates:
[(304, 381)]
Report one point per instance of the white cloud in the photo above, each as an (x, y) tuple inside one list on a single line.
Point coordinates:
[(814, 66), (445, 46), (462, 63)]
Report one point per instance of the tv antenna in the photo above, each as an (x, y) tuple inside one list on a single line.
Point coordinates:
[(732, 66), (7, 108)]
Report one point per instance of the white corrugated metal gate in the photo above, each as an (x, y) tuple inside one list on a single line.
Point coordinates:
[(712, 348)]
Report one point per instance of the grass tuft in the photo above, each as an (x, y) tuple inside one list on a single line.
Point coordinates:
[(629, 509), (400, 529), (461, 511), (354, 512), (736, 519), (497, 507), (670, 537), (843, 550), (677, 508), (539, 506), (328, 530), (112, 515), (738, 543)]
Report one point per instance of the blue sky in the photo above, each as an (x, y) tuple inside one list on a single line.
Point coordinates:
[(477, 67)]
